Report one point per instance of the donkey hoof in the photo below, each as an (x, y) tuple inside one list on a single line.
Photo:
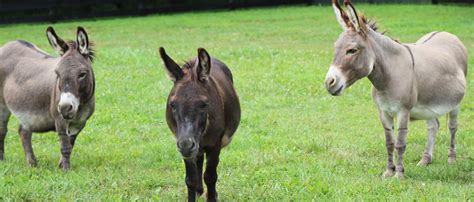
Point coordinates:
[(452, 160), (399, 175), (206, 196), (388, 173), (424, 162), (64, 166), (451, 157), (32, 162), (199, 191), (2, 157)]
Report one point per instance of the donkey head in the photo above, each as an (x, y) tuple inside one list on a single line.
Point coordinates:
[(189, 100), (75, 78), (354, 58)]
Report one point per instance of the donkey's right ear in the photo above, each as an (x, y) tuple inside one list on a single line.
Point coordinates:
[(57, 43), (341, 16), (172, 69)]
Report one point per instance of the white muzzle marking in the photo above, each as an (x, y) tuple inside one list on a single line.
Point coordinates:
[(68, 98), (335, 73)]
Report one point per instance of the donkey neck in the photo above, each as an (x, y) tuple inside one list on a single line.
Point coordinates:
[(393, 61)]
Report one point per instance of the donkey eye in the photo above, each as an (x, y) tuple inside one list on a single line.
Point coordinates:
[(173, 105), (351, 51), (82, 75), (202, 105)]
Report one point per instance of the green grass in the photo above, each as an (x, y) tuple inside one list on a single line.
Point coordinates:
[(295, 141)]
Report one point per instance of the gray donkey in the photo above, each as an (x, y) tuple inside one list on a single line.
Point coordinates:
[(421, 81), (47, 93)]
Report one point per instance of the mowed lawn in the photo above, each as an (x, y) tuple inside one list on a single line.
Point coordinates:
[(295, 141)]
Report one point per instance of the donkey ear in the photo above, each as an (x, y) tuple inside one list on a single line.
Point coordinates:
[(57, 43), (172, 69), (204, 67), (340, 15), (352, 13), (82, 41)]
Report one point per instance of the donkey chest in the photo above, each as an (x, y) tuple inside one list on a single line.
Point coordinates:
[(390, 106)]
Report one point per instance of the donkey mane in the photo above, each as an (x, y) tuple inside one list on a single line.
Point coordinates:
[(73, 45), (371, 23), (189, 64)]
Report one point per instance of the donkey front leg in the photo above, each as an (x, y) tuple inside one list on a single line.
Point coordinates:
[(66, 150), (200, 161), (433, 126), (66, 144), (387, 123), (210, 176), (403, 119), (191, 178), (25, 136)]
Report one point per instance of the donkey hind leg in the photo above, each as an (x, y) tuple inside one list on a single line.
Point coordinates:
[(453, 127), (210, 175), (25, 136), (4, 116), (433, 126)]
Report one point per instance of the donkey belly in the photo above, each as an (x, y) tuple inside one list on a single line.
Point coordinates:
[(424, 112), (35, 121)]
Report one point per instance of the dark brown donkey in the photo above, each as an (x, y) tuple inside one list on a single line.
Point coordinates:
[(203, 112), (47, 93)]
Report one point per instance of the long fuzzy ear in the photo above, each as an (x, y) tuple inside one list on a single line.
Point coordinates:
[(340, 15), (82, 41), (352, 13), (173, 71), (204, 67), (57, 43)]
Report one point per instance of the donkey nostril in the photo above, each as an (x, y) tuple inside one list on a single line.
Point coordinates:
[(69, 108), (331, 82)]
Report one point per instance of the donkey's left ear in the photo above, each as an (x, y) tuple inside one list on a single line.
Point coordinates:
[(82, 42), (204, 67), (352, 13)]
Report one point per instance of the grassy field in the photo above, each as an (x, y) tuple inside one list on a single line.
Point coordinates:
[(295, 141)]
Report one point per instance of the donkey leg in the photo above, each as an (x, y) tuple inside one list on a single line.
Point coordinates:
[(433, 126), (63, 161), (3, 134), (403, 119), (210, 176), (4, 116), (72, 140), (453, 127), (66, 150), (25, 136), (200, 161), (387, 123), (191, 178)]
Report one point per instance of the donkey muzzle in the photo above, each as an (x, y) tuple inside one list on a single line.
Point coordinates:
[(68, 105), (334, 84), (188, 147)]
